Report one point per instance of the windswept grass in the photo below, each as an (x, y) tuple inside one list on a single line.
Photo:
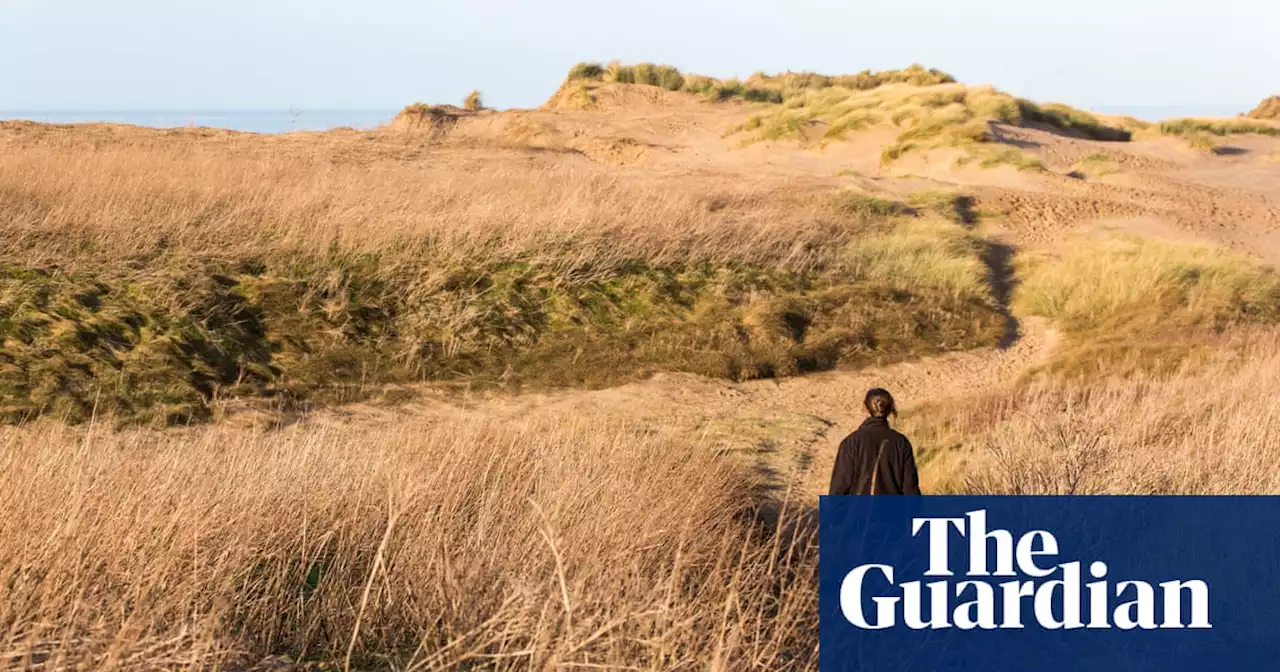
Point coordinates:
[(793, 82), (1134, 303), (925, 255), (455, 545), (310, 279), (1070, 119), (1203, 134), (929, 117), (1211, 429), (760, 87)]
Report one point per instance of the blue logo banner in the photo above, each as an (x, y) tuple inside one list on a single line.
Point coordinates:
[(1049, 584)]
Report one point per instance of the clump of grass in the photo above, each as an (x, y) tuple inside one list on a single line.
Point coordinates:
[(792, 82), (419, 116), (867, 207), (648, 74), (1010, 156), (473, 102), (1202, 134), (587, 71), (277, 332), (924, 254), (72, 347), (1098, 164), (1067, 118), (951, 205), (1144, 303), (1201, 140), (1097, 283)]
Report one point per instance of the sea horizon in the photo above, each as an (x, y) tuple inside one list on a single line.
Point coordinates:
[(268, 121), (275, 121)]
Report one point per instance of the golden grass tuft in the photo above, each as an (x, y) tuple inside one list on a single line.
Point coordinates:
[(473, 102)]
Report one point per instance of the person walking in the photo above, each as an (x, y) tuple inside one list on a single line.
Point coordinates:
[(875, 459)]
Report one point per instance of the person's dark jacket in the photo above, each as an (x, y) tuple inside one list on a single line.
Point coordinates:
[(856, 462)]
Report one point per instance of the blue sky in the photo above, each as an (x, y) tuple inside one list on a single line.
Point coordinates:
[(325, 54)]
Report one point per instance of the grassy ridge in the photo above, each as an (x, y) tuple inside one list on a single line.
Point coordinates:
[(760, 87), (125, 316), (1204, 134), (76, 344), (949, 115)]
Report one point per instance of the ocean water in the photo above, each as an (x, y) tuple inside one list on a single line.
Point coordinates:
[(256, 121)]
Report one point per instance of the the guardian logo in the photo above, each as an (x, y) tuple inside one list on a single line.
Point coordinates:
[(1040, 590)]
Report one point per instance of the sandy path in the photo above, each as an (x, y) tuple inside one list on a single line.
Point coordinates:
[(787, 429)]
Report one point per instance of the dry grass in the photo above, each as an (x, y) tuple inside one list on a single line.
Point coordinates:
[(1133, 304), (101, 198), (1205, 429), (1097, 282), (1203, 134), (149, 274), (760, 87), (414, 547), (925, 255), (473, 102)]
